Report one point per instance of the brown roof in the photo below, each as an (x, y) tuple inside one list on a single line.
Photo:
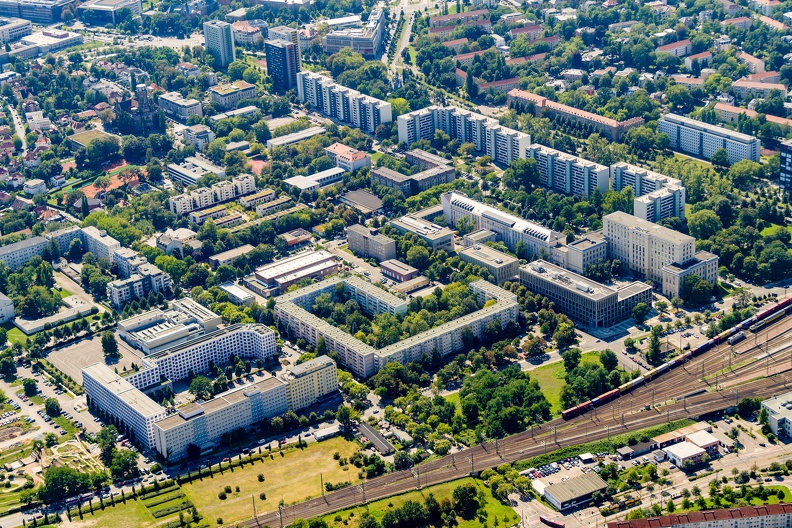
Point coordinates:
[(674, 45), (705, 516)]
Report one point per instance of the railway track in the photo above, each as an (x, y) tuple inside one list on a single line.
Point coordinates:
[(599, 423)]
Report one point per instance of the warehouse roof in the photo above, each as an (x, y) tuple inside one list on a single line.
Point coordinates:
[(576, 487)]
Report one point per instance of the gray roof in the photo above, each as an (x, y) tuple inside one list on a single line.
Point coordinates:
[(22, 244), (576, 487)]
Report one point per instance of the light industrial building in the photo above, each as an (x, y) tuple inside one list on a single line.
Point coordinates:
[(576, 491), (437, 171), (584, 300), (703, 139), (363, 359), (568, 174), (511, 230), (365, 40), (398, 270), (368, 242), (658, 253), (341, 103), (502, 144), (684, 452), (296, 137), (502, 266)]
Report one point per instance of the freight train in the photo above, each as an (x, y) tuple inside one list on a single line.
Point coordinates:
[(753, 323)]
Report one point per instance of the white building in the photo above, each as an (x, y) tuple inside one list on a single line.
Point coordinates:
[(135, 412), (102, 12), (146, 278), (157, 330), (568, 174), (664, 203), (6, 310), (347, 158), (779, 413), (683, 452), (314, 182), (228, 95), (177, 107), (219, 39), (703, 140), (193, 169), (98, 242), (342, 103), (199, 136), (309, 381), (35, 186), (12, 29), (365, 40), (224, 191), (539, 241), (502, 144)]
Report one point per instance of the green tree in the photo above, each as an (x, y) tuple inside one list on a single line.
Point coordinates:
[(124, 463), (720, 159), (418, 257), (704, 224), (106, 440), (110, 345), (571, 359), (639, 313), (30, 386), (344, 415), (52, 407), (201, 388)]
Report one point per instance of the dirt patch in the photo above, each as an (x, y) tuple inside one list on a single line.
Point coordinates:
[(10, 433)]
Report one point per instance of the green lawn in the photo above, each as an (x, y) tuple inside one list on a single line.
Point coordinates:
[(496, 512), (133, 513), (551, 379), (767, 231), (65, 293), (454, 398), (376, 157), (10, 497), (291, 478), (15, 335), (67, 426)]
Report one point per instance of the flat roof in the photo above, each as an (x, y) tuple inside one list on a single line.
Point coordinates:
[(702, 438), (290, 264), (489, 255), (422, 227), (233, 253), (684, 450), (123, 390), (236, 291), (398, 266), (295, 137), (363, 200), (655, 230), (569, 280), (310, 365), (576, 487), (22, 244)]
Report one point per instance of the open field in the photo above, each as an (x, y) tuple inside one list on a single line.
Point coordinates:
[(291, 478), (551, 379), (15, 335), (10, 497), (133, 513), (773, 228), (494, 509)]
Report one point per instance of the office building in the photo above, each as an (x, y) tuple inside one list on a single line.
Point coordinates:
[(438, 237), (98, 242), (43, 42), (397, 270), (309, 381), (157, 329), (287, 34), (437, 171), (42, 12), (227, 258), (657, 253), (503, 267), (544, 107), (347, 158), (229, 95), (779, 414), (576, 491), (12, 29), (585, 301), (365, 40), (193, 169), (219, 38), (702, 140), (314, 182), (341, 103), (538, 240), (133, 412), (785, 153), (279, 275), (766, 516), (177, 107), (198, 136), (237, 295), (368, 242), (502, 144), (101, 12), (568, 174), (283, 63), (363, 359)]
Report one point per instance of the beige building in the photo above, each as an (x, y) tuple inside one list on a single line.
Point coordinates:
[(369, 243), (502, 266), (309, 381)]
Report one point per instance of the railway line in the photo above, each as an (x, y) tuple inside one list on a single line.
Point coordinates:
[(683, 393)]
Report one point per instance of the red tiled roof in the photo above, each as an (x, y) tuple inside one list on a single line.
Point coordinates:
[(705, 516), (674, 45)]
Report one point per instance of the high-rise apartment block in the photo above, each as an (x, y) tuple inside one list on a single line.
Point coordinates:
[(219, 38), (342, 103), (568, 174), (785, 180), (502, 144), (283, 64), (657, 196), (703, 140)]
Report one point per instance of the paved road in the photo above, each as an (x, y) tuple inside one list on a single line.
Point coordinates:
[(19, 127)]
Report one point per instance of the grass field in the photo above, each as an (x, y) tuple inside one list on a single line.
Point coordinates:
[(291, 478), (15, 335), (551, 379), (454, 398), (494, 509), (10, 497), (773, 228), (133, 513)]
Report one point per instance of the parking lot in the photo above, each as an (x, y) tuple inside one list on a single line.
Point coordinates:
[(73, 358)]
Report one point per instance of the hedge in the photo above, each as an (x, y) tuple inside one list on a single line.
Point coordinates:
[(157, 493), (162, 512), (163, 500)]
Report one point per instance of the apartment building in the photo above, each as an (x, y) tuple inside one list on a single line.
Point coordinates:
[(643, 181), (199, 217), (755, 65), (664, 203), (660, 254), (135, 412), (363, 359), (342, 103), (368, 242), (502, 144), (511, 230), (766, 516), (745, 89), (224, 191), (347, 158), (703, 59), (98, 242), (12, 29), (568, 174), (309, 381), (17, 254), (264, 196), (228, 95), (703, 140), (283, 64), (678, 49), (365, 40), (146, 278), (785, 153), (177, 107), (503, 267), (288, 34), (460, 18), (219, 40), (583, 300), (542, 106)]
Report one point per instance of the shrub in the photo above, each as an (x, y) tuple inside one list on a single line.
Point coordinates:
[(219, 520), (261, 477), (222, 495), (263, 496), (237, 489), (227, 489)]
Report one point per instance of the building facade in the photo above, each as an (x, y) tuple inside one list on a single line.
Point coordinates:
[(283, 64), (370, 243), (702, 140), (177, 107), (219, 38), (503, 267), (568, 174), (365, 40)]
